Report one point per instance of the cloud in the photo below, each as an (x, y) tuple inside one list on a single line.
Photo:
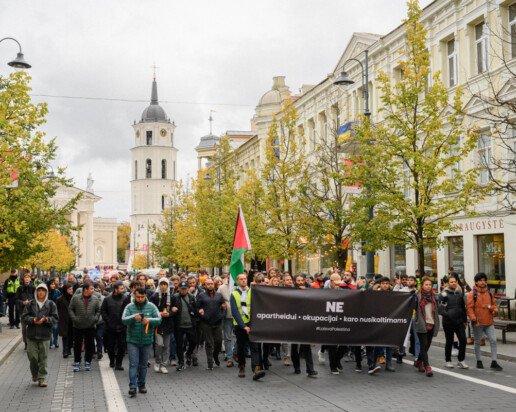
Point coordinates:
[(207, 52)]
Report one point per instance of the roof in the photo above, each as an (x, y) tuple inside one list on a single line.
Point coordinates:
[(208, 141), (154, 112)]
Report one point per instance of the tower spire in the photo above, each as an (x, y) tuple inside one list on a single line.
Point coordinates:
[(211, 121), (154, 92)]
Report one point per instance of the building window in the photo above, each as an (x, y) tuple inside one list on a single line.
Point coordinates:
[(485, 157), (452, 63), (512, 28), (148, 169), (136, 170), (162, 202), (481, 46), (456, 253), (163, 169), (149, 137), (398, 260), (491, 261)]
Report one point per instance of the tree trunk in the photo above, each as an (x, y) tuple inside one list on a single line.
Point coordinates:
[(342, 257)]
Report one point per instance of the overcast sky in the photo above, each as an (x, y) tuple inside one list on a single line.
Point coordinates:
[(218, 55)]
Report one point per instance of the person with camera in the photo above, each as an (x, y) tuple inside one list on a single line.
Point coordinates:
[(140, 317), (184, 310)]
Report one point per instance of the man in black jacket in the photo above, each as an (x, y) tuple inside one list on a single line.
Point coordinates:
[(183, 308), (24, 295), (39, 315), (212, 309), (114, 335), (453, 309)]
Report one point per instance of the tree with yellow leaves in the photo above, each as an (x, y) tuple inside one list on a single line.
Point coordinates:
[(56, 253)]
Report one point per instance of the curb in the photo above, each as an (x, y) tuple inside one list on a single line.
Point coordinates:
[(470, 350), (4, 356)]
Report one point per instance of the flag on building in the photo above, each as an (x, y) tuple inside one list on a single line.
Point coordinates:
[(241, 244), (344, 132)]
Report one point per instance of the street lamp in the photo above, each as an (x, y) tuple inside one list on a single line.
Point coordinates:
[(344, 80), (19, 62)]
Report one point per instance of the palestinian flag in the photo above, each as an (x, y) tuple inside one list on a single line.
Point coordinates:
[(241, 244)]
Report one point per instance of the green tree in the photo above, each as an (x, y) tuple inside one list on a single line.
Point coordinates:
[(411, 162), (282, 171), (140, 262), (326, 196), (122, 240), (27, 210)]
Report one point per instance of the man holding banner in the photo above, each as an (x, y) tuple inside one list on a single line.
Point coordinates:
[(241, 311)]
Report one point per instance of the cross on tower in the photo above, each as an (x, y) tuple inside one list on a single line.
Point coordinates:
[(211, 121), (154, 67)]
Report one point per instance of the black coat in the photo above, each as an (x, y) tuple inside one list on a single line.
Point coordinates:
[(213, 312), (111, 311), (32, 312), (24, 293), (452, 307), (176, 302), (167, 324), (65, 324)]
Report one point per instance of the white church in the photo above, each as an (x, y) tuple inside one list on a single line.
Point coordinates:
[(153, 176)]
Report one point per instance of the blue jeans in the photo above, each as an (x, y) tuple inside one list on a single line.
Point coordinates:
[(489, 331), (172, 355), (138, 358), (227, 328), (55, 335)]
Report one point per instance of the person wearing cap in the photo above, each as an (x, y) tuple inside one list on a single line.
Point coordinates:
[(481, 308), (111, 311), (11, 285), (183, 308), (39, 315), (241, 311), (163, 300), (141, 318)]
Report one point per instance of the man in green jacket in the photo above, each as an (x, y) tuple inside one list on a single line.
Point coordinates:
[(140, 317)]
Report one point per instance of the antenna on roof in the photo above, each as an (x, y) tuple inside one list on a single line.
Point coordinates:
[(211, 120), (154, 67)]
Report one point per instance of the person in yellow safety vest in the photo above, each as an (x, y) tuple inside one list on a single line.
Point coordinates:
[(241, 310), (11, 285)]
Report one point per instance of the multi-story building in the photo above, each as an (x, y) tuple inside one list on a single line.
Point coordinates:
[(466, 40)]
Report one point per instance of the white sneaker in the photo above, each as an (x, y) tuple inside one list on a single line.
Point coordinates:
[(173, 363), (454, 352), (156, 367), (462, 365), (449, 365), (162, 369), (322, 360)]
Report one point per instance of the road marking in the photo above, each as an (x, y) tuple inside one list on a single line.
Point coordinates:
[(470, 379), (114, 398)]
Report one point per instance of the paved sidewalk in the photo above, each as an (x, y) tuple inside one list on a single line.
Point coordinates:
[(9, 340), (506, 351)]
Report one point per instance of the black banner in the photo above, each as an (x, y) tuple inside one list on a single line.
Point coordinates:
[(330, 316)]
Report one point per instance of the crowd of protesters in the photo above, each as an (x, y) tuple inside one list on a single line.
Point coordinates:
[(172, 316)]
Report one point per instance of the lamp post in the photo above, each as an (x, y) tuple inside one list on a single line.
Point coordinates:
[(344, 80), (19, 62)]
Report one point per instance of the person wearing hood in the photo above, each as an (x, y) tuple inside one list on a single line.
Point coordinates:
[(114, 337), (65, 324), (162, 298), (39, 315), (453, 309), (140, 317), (84, 313)]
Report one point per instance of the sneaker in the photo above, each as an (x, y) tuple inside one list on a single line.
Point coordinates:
[(321, 357), (462, 365), (312, 374), (180, 367), (358, 368), (348, 358), (480, 365), (156, 368), (43, 384), (421, 367), (241, 372), (495, 366), (297, 371), (142, 389), (449, 365), (428, 371), (335, 371), (99, 355), (340, 368), (229, 364), (399, 359), (455, 352), (188, 360), (34, 379), (173, 362), (373, 370), (217, 361), (111, 363), (132, 392), (87, 366), (258, 374), (119, 368), (77, 366), (286, 361), (162, 369), (209, 368), (389, 368)]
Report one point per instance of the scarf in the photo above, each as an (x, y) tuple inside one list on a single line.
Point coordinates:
[(161, 297), (426, 298)]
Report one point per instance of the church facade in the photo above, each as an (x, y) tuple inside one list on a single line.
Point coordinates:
[(153, 176)]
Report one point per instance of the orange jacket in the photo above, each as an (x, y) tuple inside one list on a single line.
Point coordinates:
[(478, 310)]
